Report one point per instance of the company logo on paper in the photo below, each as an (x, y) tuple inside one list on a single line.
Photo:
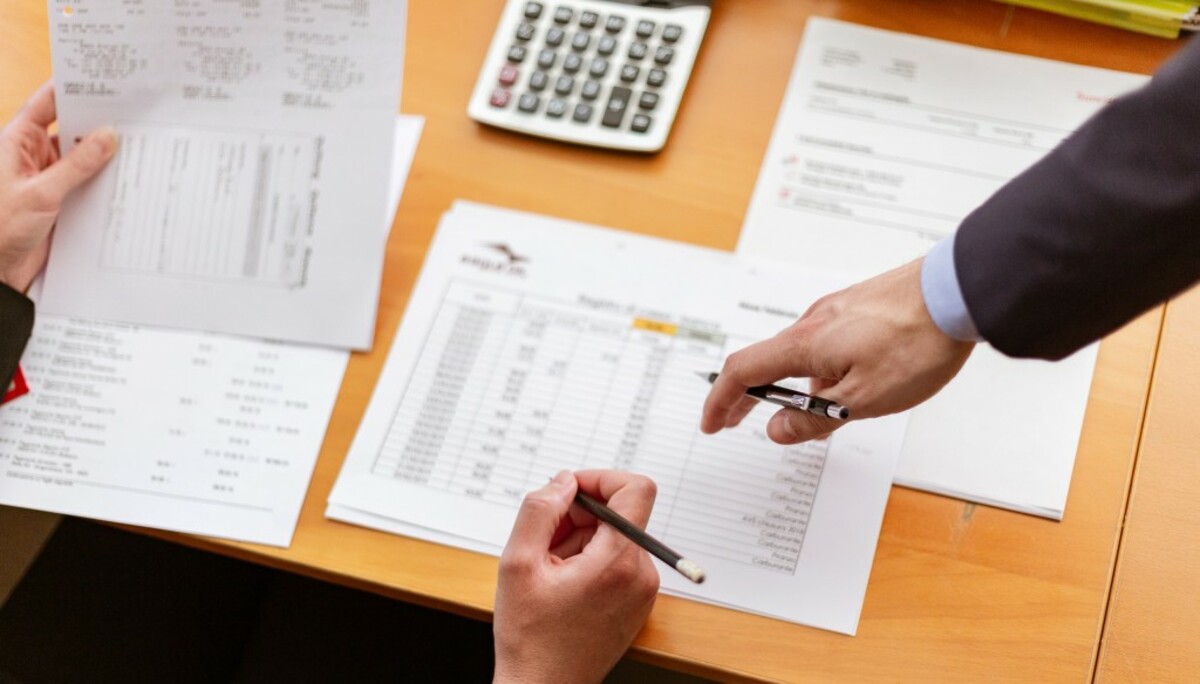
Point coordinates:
[(512, 264)]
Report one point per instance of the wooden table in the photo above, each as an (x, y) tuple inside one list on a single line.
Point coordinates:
[(958, 592)]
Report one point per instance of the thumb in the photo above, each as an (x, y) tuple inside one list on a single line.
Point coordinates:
[(539, 517), (88, 157)]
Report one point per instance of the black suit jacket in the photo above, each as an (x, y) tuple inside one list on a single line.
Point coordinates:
[(16, 323), (1101, 229)]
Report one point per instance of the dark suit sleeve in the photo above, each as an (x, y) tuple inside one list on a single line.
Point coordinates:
[(16, 323), (1101, 229)]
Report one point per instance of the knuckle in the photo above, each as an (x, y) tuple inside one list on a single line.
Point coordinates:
[(514, 565), (39, 197)]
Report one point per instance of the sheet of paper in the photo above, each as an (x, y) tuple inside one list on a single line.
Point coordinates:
[(191, 432), (532, 345), (253, 167), (883, 144)]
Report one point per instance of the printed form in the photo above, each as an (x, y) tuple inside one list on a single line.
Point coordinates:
[(252, 175), (191, 432), (517, 359), (884, 143)]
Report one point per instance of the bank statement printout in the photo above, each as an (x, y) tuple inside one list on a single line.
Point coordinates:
[(532, 345), (884, 143), (252, 176)]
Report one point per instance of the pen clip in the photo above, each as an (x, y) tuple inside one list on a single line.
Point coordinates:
[(797, 400)]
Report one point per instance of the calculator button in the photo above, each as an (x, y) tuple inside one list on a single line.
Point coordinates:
[(563, 15), (556, 108), (529, 102), (590, 90), (629, 73), (588, 20), (656, 77), (672, 33), (645, 28), (539, 79), (499, 98), (564, 85), (637, 51), (583, 112), (547, 58), (599, 67), (618, 102), (648, 100), (525, 31), (516, 54), (614, 24), (640, 124), (509, 74), (533, 10), (663, 55), (572, 63), (606, 46), (580, 41), (554, 37)]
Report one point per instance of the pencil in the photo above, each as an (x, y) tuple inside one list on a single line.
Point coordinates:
[(656, 548)]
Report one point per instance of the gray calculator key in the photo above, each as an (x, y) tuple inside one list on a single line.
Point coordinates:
[(529, 102), (583, 112), (640, 124), (606, 46), (637, 51), (538, 81), (645, 28), (599, 67), (629, 73), (588, 20), (618, 102), (672, 33), (614, 24), (533, 10), (556, 108), (590, 90), (564, 85), (580, 41), (648, 100), (516, 54), (663, 55), (554, 37), (525, 31), (563, 15), (656, 77), (547, 58), (572, 63)]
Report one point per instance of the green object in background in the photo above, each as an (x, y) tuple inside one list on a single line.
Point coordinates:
[(1163, 18)]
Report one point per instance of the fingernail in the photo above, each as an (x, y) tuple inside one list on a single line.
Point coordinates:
[(785, 428), (563, 478)]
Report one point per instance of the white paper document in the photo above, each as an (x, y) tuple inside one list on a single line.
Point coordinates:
[(191, 432), (883, 144), (532, 345), (252, 176)]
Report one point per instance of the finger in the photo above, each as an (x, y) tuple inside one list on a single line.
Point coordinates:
[(629, 495), (574, 542), (79, 165), (738, 413), (539, 517), (792, 426), (39, 109)]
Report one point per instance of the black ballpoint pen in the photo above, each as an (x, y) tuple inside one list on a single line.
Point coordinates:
[(790, 398)]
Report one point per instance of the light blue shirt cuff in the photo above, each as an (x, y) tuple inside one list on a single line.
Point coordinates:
[(943, 296)]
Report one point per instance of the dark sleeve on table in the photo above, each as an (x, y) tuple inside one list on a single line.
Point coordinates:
[(1103, 228), (16, 324)]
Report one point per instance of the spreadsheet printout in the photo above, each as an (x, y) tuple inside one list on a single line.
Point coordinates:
[(252, 169), (532, 345), (883, 144)]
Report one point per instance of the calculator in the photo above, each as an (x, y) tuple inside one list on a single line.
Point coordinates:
[(607, 73)]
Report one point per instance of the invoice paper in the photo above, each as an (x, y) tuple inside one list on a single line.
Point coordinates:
[(532, 345), (884, 143), (252, 175), (191, 432)]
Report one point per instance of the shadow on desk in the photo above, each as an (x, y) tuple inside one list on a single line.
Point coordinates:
[(102, 605)]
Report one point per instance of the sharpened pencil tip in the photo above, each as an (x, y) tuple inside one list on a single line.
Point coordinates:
[(690, 570)]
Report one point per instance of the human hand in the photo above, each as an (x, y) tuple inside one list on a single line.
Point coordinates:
[(871, 347), (573, 593), (34, 180)]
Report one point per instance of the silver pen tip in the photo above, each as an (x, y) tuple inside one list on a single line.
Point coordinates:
[(690, 570)]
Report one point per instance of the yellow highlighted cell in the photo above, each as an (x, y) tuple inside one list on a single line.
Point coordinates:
[(655, 326)]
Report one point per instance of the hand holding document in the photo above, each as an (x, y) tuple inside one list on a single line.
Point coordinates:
[(252, 175)]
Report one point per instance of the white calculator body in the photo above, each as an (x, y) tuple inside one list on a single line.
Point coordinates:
[(608, 73)]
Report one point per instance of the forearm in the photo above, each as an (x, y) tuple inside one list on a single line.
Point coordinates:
[(1103, 228), (16, 324)]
